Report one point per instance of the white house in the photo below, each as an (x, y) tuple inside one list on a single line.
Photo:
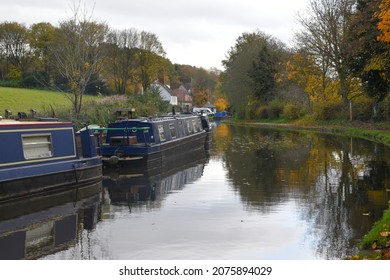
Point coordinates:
[(166, 93)]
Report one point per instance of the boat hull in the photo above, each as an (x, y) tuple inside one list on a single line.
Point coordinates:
[(48, 178), (157, 156)]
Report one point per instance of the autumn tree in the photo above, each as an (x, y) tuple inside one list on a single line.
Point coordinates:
[(14, 50), (121, 58), (41, 40), (201, 97), (323, 36), (368, 58), (78, 55), (384, 21), (149, 58)]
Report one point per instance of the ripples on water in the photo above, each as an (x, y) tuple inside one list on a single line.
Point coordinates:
[(256, 194)]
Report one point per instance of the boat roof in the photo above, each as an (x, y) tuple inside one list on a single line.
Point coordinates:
[(12, 122)]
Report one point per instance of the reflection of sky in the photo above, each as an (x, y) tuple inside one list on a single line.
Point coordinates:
[(205, 220)]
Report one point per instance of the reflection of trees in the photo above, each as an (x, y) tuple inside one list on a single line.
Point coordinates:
[(336, 181)]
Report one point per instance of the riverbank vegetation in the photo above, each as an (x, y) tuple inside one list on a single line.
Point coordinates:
[(335, 77)]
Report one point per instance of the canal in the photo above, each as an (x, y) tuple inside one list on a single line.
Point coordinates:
[(254, 194)]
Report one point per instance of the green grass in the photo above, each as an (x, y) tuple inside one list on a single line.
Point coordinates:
[(23, 100), (379, 236)]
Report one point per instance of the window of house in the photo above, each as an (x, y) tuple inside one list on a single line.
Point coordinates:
[(37, 146), (161, 133)]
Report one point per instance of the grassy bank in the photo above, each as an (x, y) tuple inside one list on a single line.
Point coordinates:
[(376, 243), (23, 100), (376, 132)]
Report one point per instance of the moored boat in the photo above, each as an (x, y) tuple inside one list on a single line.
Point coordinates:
[(147, 142), (39, 156)]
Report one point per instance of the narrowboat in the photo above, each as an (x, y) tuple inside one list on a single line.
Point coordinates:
[(38, 156), (148, 142)]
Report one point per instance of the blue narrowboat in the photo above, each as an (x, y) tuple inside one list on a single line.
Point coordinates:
[(148, 142), (40, 156)]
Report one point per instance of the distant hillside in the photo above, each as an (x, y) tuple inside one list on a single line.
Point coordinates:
[(23, 100)]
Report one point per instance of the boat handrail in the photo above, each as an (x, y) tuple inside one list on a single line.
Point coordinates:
[(120, 128)]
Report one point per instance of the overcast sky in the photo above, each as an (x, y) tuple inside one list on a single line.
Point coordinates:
[(194, 32)]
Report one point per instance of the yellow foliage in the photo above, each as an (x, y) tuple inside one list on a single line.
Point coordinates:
[(221, 104), (384, 21), (14, 73)]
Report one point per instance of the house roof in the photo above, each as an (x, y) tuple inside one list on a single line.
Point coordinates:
[(208, 105)]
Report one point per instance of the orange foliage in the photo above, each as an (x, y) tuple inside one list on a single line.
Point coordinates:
[(384, 21), (221, 104)]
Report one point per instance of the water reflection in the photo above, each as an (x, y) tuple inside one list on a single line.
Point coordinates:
[(36, 227), (256, 194), (149, 187), (339, 184)]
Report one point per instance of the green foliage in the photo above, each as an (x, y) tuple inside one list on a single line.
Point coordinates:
[(251, 68), (324, 111), (379, 236), (362, 108), (262, 112), (291, 111), (367, 57), (102, 111), (275, 108), (262, 75)]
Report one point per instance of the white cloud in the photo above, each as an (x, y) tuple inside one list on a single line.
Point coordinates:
[(195, 32)]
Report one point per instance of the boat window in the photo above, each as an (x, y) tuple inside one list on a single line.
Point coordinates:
[(189, 127), (172, 129), (37, 146), (194, 125), (161, 132)]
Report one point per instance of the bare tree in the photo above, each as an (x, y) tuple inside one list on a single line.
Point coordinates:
[(324, 36), (122, 57), (78, 53)]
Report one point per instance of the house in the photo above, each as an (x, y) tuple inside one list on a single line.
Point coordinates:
[(166, 93), (184, 99)]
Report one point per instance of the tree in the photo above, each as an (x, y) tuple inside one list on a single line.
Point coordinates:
[(41, 40), (324, 37), (201, 98), (367, 57), (384, 21), (149, 58), (14, 50), (78, 53), (122, 58), (262, 75), (251, 68)]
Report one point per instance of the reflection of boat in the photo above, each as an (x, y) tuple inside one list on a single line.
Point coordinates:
[(35, 227), (124, 185), (40, 155), (147, 142)]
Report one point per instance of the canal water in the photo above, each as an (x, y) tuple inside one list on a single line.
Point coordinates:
[(254, 194)]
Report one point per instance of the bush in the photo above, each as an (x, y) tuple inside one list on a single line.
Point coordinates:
[(291, 111), (323, 111), (275, 108), (262, 112), (362, 109)]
